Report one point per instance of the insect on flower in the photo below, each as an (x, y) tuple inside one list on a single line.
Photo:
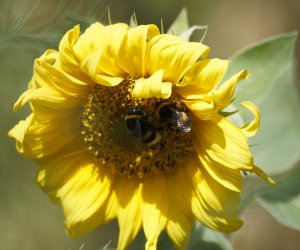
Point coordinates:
[(176, 118), (140, 127)]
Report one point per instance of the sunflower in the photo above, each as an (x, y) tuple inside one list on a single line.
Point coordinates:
[(126, 124)]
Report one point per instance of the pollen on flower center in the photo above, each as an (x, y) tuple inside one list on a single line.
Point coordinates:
[(128, 134)]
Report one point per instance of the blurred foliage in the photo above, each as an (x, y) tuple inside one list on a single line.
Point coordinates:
[(283, 201), (40, 24), (273, 88), (27, 28), (204, 238)]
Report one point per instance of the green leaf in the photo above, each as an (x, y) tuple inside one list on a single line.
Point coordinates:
[(205, 239), (272, 87), (180, 27), (180, 24), (19, 27), (201, 238), (283, 200)]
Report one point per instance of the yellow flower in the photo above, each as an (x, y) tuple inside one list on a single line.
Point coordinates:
[(125, 124)]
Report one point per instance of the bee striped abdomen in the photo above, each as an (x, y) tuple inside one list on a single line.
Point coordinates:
[(137, 123)]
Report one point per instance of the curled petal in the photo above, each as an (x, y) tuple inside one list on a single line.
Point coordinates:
[(259, 172), (225, 144), (19, 131), (40, 80), (225, 93), (133, 51), (47, 97), (174, 55), (37, 94), (90, 65), (38, 139), (152, 87), (99, 50), (250, 129), (46, 75), (89, 41), (202, 78), (112, 42), (66, 52)]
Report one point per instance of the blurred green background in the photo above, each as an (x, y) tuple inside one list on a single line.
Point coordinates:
[(27, 218)]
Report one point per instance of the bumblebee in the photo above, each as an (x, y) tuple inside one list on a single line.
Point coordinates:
[(139, 126), (174, 116)]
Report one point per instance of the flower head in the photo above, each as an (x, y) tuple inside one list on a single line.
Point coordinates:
[(126, 124)]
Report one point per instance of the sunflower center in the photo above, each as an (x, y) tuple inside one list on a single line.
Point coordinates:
[(135, 137)]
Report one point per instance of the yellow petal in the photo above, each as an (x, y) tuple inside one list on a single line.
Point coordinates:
[(37, 139), (133, 52), (223, 142), (49, 57), (202, 78), (56, 170), (45, 96), (112, 42), (154, 209), (51, 86), (203, 108), (67, 56), (180, 216), (214, 205), (225, 93), (90, 65), (174, 55), (228, 177), (105, 57), (85, 196), (99, 50), (48, 76), (44, 111), (18, 132), (129, 213), (179, 231), (250, 129), (67, 59), (89, 41), (152, 87), (259, 172)]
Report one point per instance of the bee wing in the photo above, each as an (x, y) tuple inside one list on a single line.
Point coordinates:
[(138, 129), (181, 121)]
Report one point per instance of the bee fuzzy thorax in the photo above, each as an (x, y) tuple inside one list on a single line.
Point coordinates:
[(174, 115), (135, 137)]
